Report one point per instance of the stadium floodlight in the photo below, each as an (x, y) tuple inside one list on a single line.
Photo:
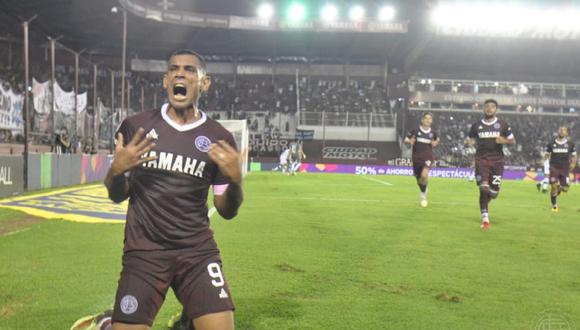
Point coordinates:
[(329, 13), (357, 13), (296, 12), (265, 11), (386, 14)]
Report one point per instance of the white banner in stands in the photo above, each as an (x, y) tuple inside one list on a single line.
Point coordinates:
[(64, 101), (10, 109), (41, 96)]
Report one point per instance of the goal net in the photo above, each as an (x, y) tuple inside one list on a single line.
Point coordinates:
[(239, 129)]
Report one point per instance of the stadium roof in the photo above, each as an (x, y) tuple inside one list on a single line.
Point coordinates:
[(90, 24)]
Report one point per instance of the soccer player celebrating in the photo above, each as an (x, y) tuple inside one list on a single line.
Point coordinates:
[(165, 160), (562, 156), (423, 139), (490, 134)]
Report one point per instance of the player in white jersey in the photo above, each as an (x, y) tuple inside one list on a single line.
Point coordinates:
[(283, 165)]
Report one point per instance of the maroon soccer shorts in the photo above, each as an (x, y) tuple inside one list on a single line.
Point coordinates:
[(419, 165), (490, 171), (560, 175), (195, 275)]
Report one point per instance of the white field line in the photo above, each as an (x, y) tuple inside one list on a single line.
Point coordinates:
[(211, 212), (385, 201), (16, 232), (376, 180)]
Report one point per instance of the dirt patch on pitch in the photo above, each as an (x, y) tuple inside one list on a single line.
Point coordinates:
[(288, 268), (398, 289), (446, 297), (16, 224)]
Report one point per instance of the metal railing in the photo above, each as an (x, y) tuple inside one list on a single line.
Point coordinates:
[(347, 119)]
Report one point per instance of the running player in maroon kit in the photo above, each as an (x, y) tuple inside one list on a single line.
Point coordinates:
[(562, 155), (423, 139), (165, 161), (490, 134)]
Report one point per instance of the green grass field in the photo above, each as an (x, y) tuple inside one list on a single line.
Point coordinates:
[(333, 252)]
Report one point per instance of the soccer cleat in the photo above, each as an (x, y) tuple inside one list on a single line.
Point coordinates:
[(538, 186), (102, 321), (555, 209), (180, 322), (485, 221), (485, 225)]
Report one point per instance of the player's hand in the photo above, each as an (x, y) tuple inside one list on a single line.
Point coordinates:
[(501, 140), (129, 156), (227, 159), (412, 140)]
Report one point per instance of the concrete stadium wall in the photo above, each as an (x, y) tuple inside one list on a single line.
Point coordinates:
[(48, 170), (11, 175)]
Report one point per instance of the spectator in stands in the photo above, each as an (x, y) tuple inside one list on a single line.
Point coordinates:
[(62, 143)]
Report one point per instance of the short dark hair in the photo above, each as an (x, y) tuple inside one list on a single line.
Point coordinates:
[(192, 53), (491, 101), (427, 113)]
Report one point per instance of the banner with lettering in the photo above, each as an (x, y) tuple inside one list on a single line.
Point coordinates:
[(10, 108)]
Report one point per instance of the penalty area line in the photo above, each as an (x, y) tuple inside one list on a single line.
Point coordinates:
[(383, 201), (376, 180), (211, 212)]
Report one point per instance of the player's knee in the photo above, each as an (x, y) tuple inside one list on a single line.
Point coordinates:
[(564, 188), (484, 188), (493, 193)]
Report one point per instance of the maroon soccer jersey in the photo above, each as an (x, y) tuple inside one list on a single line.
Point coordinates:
[(168, 196), (423, 147), (561, 153), (485, 133)]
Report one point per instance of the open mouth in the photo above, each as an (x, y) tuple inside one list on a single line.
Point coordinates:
[(179, 91)]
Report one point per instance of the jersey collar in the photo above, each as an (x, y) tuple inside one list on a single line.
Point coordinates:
[(182, 128), (489, 124), (425, 131), (561, 142)]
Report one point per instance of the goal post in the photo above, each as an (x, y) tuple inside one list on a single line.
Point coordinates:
[(239, 129)]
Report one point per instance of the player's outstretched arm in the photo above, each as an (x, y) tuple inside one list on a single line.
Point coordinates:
[(504, 140), (410, 141), (435, 142), (125, 158), (229, 162)]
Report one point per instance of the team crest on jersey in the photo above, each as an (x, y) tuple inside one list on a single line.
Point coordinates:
[(202, 143), (480, 127), (129, 304), (430, 135), (496, 126)]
